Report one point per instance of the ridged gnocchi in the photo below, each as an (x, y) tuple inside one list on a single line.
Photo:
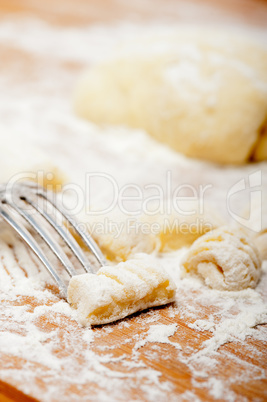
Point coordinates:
[(120, 290), (225, 258)]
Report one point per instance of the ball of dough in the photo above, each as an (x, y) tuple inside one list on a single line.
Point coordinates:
[(225, 258), (201, 92)]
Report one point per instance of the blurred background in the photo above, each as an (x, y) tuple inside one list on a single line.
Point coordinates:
[(46, 46)]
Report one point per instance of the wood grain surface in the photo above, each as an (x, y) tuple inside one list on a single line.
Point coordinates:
[(232, 358)]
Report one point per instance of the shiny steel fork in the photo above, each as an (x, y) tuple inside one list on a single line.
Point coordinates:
[(17, 198)]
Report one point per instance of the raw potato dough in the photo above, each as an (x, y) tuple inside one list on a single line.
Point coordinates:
[(260, 153), (178, 230), (260, 241), (148, 234), (204, 93), (120, 247), (117, 241), (225, 258), (32, 164), (115, 292)]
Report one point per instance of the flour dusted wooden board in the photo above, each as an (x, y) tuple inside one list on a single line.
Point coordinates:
[(45, 354), (113, 348)]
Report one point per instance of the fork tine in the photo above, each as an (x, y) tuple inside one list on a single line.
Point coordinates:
[(27, 237), (47, 238), (63, 232), (89, 242)]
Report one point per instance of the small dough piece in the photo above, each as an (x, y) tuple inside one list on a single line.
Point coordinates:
[(119, 236), (125, 245), (202, 92), (33, 164), (225, 258), (127, 235), (176, 230), (260, 241), (117, 291)]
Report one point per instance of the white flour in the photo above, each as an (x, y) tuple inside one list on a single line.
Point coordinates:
[(159, 334), (36, 108)]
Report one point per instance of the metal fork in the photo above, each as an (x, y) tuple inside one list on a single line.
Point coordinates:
[(17, 198)]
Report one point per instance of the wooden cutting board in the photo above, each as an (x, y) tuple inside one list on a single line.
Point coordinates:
[(232, 358), (119, 339)]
